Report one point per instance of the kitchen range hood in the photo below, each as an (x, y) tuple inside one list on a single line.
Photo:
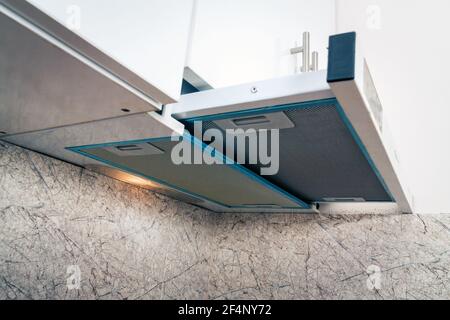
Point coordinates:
[(335, 147), (334, 144)]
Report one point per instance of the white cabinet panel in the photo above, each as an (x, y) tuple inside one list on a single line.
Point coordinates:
[(237, 41), (149, 37), (412, 86)]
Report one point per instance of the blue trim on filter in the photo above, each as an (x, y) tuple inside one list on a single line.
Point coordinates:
[(262, 110), (363, 149), (195, 142), (305, 105), (249, 173), (134, 172)]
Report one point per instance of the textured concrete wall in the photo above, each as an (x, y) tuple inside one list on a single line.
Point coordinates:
[(131, 243)]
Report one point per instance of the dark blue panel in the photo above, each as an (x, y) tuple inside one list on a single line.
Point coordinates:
[(341, 57), (188, 88)]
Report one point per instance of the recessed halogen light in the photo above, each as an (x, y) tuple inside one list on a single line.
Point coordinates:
[(135, 180)]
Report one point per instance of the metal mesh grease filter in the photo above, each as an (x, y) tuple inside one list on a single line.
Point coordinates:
[(320, 158)]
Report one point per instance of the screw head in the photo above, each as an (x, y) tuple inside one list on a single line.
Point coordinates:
[(254, 90)]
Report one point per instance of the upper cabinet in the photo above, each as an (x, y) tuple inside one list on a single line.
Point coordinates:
[(147, 37), (237, 41), (66, 62)]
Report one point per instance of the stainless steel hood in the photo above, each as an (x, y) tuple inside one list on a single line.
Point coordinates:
[(52, 78), (337, 148)]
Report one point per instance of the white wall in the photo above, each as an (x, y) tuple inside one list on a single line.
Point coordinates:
[(408, 50), (150, 37), (238, 41)]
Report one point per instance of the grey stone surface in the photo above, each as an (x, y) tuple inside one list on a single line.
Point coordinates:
[(130, 243)]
